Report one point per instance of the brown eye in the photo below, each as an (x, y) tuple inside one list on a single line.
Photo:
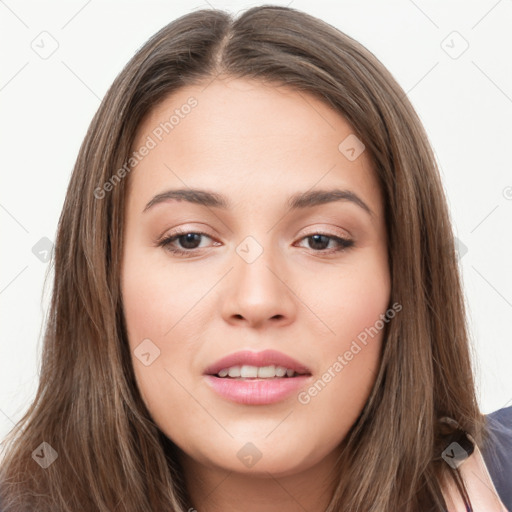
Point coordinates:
[(189, 241), (319, 242), (184, 243)]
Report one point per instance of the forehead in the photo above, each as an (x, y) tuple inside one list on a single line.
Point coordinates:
[(245, 136)]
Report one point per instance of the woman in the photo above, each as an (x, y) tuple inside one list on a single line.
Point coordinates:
[(256, 302)]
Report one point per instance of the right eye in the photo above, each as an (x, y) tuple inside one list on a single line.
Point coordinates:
[(188, 239)]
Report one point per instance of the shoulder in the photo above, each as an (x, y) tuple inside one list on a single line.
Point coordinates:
[(497, 452)]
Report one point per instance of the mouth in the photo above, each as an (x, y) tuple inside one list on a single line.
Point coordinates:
[(248, 372), (249, 364), (256, 378)]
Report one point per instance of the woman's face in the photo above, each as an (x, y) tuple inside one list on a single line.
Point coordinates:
[(255, 273)]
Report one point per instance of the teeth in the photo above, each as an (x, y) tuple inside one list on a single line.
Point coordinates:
[(266, 372), (234, 371), (252, 372), (249, 371), (280, 371)]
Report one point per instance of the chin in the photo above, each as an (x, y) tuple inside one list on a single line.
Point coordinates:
[(258, 458)]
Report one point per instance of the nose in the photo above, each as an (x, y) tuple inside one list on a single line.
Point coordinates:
[(257, 292)]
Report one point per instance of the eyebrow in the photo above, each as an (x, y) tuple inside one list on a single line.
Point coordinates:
[(297, 201)]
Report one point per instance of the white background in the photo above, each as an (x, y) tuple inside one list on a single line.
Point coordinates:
[(47, 104)]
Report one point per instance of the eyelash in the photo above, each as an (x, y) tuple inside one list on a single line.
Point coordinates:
[(344, 243)]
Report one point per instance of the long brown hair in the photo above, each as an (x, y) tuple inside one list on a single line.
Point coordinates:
[(111, 454)]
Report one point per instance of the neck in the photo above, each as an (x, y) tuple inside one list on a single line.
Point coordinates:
[(213, 489)]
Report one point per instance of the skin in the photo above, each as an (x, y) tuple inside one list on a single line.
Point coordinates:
[(256, 144)]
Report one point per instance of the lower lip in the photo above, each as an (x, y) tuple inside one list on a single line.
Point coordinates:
[(256, 391)]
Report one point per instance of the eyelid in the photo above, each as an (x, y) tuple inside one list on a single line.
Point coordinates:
[(183, 230), (333, 231)]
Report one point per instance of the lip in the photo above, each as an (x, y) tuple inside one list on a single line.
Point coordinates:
[(264, 358), (254, 391)]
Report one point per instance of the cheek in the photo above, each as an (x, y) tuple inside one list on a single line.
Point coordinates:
[(354, 308), (351, 300), (158, 305), (156, 295), (151, 310)]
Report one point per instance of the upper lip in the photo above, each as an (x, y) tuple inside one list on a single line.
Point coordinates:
[(264, 358)]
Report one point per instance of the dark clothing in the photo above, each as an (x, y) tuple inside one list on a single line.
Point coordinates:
[(497, 452)]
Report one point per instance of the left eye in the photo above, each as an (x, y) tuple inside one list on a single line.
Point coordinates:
[(190, 242), (321, 240)]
